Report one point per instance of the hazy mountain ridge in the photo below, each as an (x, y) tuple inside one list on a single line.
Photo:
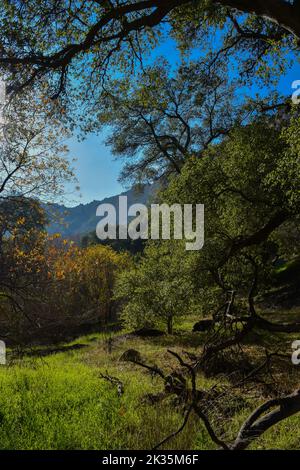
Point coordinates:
[(74, 222)]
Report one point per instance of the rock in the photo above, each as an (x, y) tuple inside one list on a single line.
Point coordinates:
[(203, 325), (131, 355)]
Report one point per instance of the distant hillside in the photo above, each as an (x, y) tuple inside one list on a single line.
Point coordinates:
[(77, 221)]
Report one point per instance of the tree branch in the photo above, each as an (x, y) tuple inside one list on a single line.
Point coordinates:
[(259, 422)]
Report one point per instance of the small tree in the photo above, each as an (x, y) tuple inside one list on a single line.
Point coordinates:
[(159, 288)]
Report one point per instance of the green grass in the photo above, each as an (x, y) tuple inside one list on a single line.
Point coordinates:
[(61, 402), (56, 406)]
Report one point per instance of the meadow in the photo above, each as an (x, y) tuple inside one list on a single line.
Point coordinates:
[(59, 400)]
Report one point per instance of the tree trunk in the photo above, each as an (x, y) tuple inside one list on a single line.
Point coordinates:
[(170, 325)]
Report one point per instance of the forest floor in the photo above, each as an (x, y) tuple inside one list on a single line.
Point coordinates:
[(57, 399)]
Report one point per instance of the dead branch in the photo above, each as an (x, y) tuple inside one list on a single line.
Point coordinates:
[(115, 381), (153, 369), (259, 422)]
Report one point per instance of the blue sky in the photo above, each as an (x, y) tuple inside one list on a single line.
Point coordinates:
[(97, 170)]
